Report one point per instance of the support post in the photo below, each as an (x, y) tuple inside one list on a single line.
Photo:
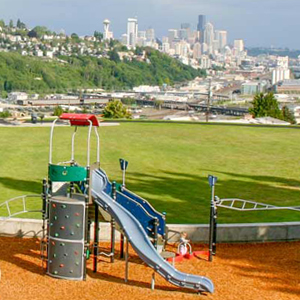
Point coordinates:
[(126, 261), (153, 281), (214, 245), (113, 238), (44, 199), (87, 232), (113, 226), (122, 246), (165, 236), (155, 233), (212, 182), (96, 239), (123, 165)]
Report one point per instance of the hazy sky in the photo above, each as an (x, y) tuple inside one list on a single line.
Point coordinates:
[(258, 22)]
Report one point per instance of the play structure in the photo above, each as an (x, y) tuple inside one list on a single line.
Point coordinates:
[(232, 204), (73, 193)]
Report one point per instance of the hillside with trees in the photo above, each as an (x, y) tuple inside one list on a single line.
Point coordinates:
[(38, 75)]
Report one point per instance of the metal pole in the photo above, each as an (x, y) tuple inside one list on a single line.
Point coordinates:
[(155, 233), (96, 238), (214, 242), (122, 246), (208, 101), (113, 226), (212, 181), (124, 171), (126, 261), (113, 237), (153, 281), (165, 230)]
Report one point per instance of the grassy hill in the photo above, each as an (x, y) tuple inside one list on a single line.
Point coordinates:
[(19, 73), (169, 165)]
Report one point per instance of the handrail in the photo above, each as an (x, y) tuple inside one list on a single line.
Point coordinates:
[(24, 206), (230, 203)]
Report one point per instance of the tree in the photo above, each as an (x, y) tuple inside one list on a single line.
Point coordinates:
[(158, 104), (265, 105), (114, 56), (58, 111), (11, 23), (116, 110), (98, 35), (288, 115)]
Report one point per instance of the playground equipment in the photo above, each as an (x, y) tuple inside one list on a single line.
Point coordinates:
[(232, 204), (68, 194), (136, 235)]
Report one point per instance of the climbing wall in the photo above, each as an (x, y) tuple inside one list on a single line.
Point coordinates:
[(66, 238)]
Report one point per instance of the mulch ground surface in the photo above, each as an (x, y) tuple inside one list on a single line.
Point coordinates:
[(252, 271)]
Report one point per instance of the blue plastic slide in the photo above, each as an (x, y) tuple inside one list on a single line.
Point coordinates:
[(139, 240)]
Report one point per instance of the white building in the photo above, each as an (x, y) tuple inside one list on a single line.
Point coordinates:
[(15, 96), (221, 37), (205, 62), (197, 51), (209, 36), (280, 74), (150, 35), (132, 31), (283, 62), (172, 35), (165, 47), (239, 46)]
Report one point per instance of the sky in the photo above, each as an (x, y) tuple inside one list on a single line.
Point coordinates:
[(261, 23)]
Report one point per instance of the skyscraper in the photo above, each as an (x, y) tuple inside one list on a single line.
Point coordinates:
[(201, 26), (132, 31), (209, 36), (150, 35), (201, 23), (221, 37)]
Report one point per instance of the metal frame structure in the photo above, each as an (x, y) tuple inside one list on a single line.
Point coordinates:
[(24, 210), (69, 172), (233, 204)]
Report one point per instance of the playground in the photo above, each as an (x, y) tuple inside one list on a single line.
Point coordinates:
[(75, 197), (241, 272)]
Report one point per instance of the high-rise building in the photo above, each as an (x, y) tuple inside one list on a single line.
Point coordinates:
[(201, 23), (201, 26), (238, 45), (132, 31), (183, 34), (209, 36), (150, 35), (185, 26), (172, 35), (221, 37), (197, 51)]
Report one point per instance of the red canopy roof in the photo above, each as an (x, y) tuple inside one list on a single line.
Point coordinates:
[(80, 119)]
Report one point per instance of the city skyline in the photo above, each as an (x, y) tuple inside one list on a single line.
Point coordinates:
[(258, 27)]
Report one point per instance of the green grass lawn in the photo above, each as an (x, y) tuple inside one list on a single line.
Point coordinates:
[(169, 165)]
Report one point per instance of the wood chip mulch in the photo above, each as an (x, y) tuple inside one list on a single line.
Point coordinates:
[(239, 271)]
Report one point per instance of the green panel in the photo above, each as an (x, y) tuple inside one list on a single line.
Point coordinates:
[(67, 173)]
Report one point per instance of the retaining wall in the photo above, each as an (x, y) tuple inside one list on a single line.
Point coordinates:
[(256, 232)]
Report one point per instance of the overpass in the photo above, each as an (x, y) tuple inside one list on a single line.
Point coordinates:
[(220, 110)]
